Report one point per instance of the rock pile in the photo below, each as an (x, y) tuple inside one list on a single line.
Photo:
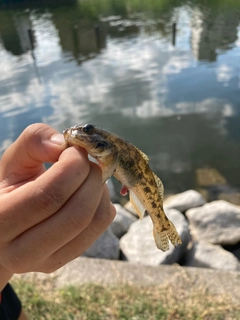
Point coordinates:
[(210, 234)]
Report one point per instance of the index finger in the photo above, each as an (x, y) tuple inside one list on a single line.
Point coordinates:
[(24, 159)]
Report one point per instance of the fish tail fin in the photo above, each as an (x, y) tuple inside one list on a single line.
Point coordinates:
[(162, 237)]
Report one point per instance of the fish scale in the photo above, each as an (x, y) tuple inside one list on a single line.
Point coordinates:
[(129, 165)]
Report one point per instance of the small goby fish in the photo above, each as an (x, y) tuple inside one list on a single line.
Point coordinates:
[(129, 165)]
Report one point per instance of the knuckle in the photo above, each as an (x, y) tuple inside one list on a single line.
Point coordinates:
[(18, 260), (48, 201), (46, 269), (96, 169), (50, 265), (112, 213), (80, 219), (36, 129), (14, 262), (33, 133), (105, 217)]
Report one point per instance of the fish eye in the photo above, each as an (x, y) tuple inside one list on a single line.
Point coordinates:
[(102, 144), (88, 128)]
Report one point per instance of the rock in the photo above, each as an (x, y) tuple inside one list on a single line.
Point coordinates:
[(185, 200), (218, 283), (217, 222), (222, 192), (105, 247), (206, 255), (235, 250), (113, 195), (138, 244), (236, 253), (233, 197), (122, 221), (209, 177)]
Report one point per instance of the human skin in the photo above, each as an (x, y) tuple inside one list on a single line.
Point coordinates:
[(48, 217)]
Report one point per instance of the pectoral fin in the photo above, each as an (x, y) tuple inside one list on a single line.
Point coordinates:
[(137, 204), (108, 167)]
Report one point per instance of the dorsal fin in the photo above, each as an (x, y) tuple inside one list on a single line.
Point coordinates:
[(145, 157), (159, 185)]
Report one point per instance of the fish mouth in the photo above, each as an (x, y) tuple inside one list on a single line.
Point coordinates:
[(75, 135), (66, 133), (80, 130)]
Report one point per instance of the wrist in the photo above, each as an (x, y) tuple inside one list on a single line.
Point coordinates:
[(5, 276)]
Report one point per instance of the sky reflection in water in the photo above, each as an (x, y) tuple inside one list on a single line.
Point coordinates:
[(119, 70)]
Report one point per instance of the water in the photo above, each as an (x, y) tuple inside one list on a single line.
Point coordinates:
[(117, 64)]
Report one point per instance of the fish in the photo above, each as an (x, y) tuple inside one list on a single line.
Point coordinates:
[(130, 166)]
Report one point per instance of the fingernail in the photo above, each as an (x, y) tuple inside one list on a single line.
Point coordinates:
[(58, 139)]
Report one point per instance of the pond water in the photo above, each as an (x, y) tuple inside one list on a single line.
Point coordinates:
[(165, 75)]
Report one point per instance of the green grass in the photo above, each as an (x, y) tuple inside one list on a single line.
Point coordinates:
[(96, 302)]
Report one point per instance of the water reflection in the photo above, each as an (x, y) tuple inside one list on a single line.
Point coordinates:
[(115, 65), (213, 30)]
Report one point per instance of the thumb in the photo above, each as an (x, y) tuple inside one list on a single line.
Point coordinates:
[(24, 159)]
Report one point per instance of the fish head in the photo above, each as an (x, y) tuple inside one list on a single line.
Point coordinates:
[(89, 137)]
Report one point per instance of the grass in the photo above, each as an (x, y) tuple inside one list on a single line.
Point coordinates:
[(125, 302)]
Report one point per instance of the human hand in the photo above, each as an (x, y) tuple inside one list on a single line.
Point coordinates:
[(48, 217)]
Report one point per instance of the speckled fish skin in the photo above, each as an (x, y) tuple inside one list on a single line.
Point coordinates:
[(130, 166)]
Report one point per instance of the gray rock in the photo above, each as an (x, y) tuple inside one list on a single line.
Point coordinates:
[(209, 177), (185, 200), (118, 273), (206, 255), (233, 197), (236, 253), (112, 192), (217, 222), (122, 221), (105, 247), (138, 244)]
